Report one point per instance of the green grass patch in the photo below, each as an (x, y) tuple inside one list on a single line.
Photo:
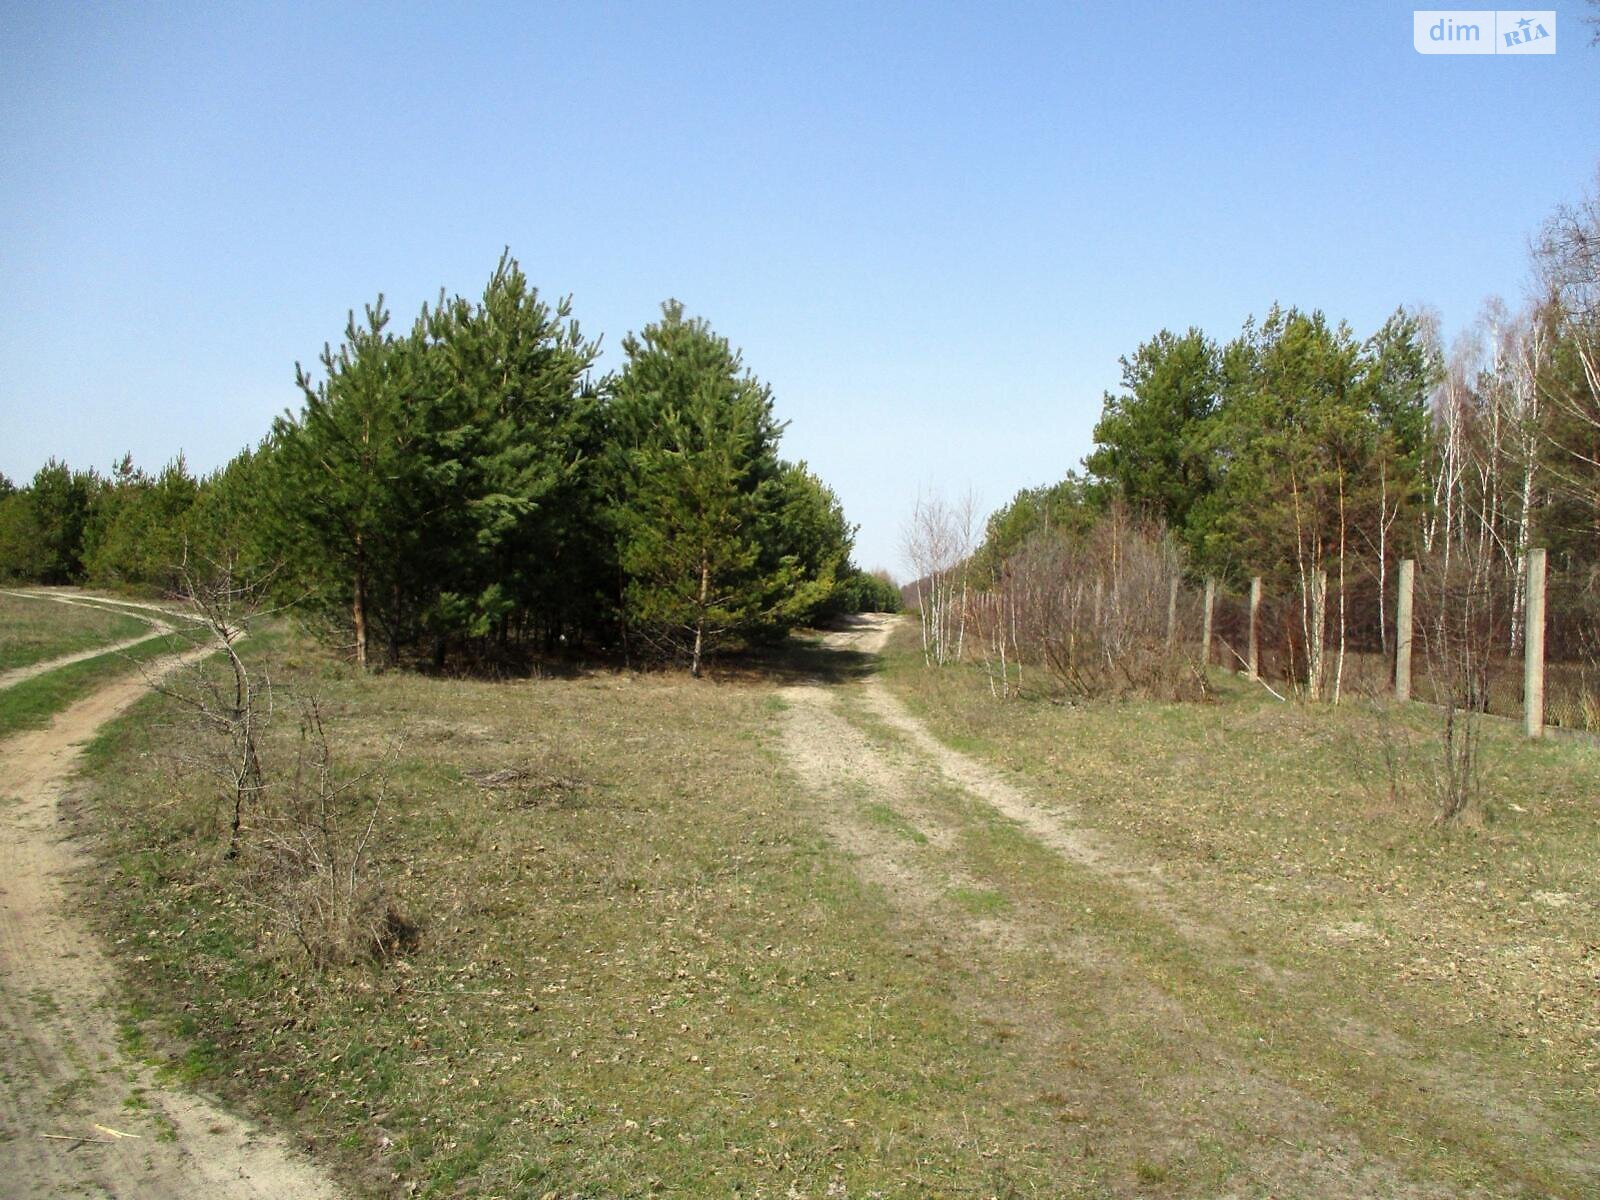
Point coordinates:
[(33, 702), (980, 902), (885, 816), (36, 630)]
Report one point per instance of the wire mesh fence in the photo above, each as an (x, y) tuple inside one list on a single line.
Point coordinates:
[(1468, 636), (1114, 613)]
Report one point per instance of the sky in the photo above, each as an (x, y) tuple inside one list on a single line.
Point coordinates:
[(932, 228)]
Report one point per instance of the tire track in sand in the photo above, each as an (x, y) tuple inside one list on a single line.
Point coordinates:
[(62, 1071)]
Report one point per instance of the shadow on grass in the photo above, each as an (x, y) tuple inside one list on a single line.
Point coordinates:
[(509, 666), (803, 657)]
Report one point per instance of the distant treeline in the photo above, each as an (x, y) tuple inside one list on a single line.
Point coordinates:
[(1302, 452), (1297, 443), (468, 489)]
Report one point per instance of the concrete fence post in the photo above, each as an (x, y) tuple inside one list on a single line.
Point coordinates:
[(1402, 631), (1205, 623), (1533, 648), (1255, 631)]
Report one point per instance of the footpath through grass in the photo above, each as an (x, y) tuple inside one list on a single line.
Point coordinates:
[(641, 970), (36, 630), (33, 702)]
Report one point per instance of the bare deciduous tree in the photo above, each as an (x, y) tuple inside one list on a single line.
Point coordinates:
[(1462, 630), (1096, 610), (234, 704), (938, 540), (302, 839), (1567, 262)]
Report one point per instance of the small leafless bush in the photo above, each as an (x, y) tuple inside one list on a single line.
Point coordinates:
[(1464, 609), (301, 837), (1097, 611), (1387, 773), (310, 859), (992, 617), (232, 704)]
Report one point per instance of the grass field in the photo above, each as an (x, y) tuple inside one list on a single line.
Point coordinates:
[(648, 965), (1437, 985), (642, 968), (33, 631), (1571, 700)]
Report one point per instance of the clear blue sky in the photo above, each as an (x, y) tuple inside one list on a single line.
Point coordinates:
[(932, 228)]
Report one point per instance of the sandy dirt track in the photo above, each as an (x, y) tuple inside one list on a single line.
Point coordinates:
[(77, 1116), (160, 622), (859, 750)]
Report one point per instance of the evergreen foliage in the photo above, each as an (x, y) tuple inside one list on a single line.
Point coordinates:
[(717, 537), (1067, 508), (138, 529), (1263, 456), (343, 489), (510, 439), (1150, 442), (441, 486), (464, 490), (864, 592)]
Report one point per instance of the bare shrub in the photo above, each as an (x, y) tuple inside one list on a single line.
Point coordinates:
[(310, 861), (233, 704), (1464, 608), (1097, 611), (992, 616), (302, 838)]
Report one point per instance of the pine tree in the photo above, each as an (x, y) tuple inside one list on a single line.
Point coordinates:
[(699, 491), (1149, 447), (61, 500), (510, 438), (345, 473)]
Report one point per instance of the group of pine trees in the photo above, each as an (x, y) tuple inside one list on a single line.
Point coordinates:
[(1303, 454), (1274, 450), (469, 488), (69, 526), (1298, 449)]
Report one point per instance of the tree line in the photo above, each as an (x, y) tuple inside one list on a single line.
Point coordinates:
[(1303, 452), (469, 489)]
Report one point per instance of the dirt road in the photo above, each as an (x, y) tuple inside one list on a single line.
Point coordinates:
[(77, 1116), (1087, 1012), (163, 621)]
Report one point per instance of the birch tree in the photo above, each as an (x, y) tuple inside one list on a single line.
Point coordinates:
[(1567, 266), (937, 542)]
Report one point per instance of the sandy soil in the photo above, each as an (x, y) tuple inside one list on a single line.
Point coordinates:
[(77, 1116)]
